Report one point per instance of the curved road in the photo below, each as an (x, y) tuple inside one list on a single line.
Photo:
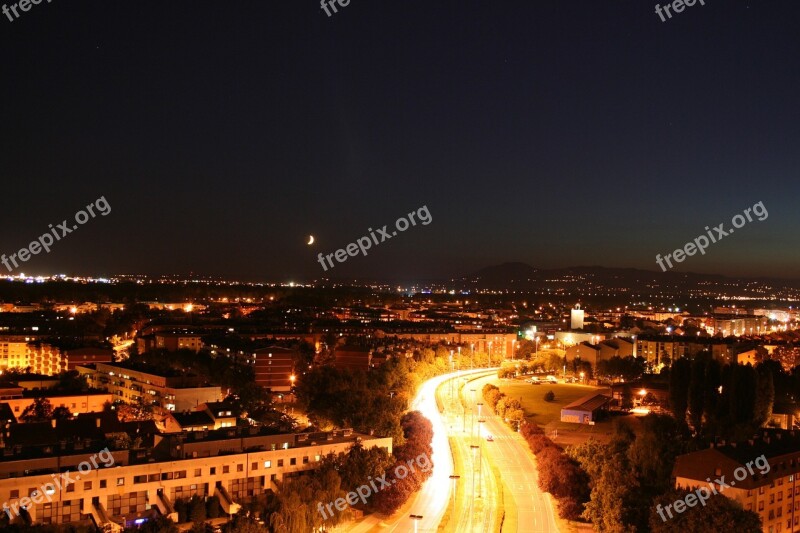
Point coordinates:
[(431, 501), (511, 455), (508, 452)]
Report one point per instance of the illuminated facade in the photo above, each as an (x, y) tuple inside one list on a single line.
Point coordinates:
[(773, 494), (132, 488)]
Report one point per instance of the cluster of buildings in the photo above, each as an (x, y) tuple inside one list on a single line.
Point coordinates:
[(661, 349), (731, 335), (50, 472), (20, 352)]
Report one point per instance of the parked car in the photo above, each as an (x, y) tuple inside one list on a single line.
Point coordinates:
[(552, 379)]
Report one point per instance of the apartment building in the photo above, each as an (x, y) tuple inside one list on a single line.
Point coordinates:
[(774, 494), (85, 356), (173, 390), (77, 404), (738, 325), (13, 352), (274, 368), (129, 486), (603, 351), (170, 341), (43, 358), (584, 351)]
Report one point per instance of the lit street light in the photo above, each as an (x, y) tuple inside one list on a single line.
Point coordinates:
[(475, 447), (454, 478), (416, 518)]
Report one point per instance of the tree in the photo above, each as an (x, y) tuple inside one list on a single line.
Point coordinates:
[(554, 362), (743, 392), (697, 390), (212, 507), (360, 464), (292, 514), (627, 396), (609, 508), (41, 410), (72, 382), (182, 508), (765, 394), (713, 383), (652, 454), (679, 379), (62, 413), (244, 524), (200, 527), (138, 410), (197, 509)]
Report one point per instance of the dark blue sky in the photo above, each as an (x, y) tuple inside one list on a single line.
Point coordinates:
[(556, 133)]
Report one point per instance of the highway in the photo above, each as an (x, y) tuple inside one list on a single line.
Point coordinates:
[(508, 452), (511, 455), (430, 502)]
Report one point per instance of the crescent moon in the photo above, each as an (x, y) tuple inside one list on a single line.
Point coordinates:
[(310, 240)]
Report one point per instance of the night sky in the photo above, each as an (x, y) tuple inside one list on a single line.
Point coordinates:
[(558, 133)]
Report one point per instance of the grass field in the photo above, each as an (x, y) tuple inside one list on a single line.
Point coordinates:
[(548, 414)]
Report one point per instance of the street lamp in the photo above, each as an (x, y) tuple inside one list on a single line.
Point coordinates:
[(454, 478), (451, 370), (416, 518), (475, 448), (471, 417)]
